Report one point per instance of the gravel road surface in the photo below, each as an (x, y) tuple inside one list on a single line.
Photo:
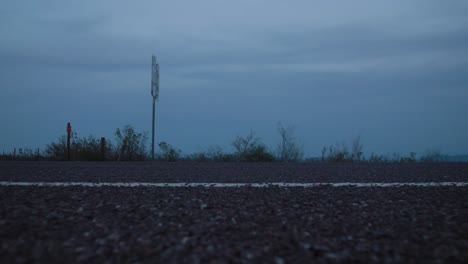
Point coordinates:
[(242, 225)]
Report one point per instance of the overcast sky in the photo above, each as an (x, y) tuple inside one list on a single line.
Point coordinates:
[(394, 72)]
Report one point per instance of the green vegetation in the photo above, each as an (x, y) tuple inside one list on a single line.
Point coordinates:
[(130, 145)]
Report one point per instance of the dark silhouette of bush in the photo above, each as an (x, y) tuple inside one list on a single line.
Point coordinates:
[(258, 153), (168, 152), (86, 148), (410, 159), (288, 148), (249, 148), (341, 153), (56, 150), (214, 153), (336, 153), (433, 156), (375, 158), (131, 145), (26, 154)]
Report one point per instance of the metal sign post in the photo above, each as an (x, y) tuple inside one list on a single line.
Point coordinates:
[(155, 94)]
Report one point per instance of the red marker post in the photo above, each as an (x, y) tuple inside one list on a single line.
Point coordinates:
[(69, 130)]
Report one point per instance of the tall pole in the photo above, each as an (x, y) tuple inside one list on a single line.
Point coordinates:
[(152, 136), (155, 94)]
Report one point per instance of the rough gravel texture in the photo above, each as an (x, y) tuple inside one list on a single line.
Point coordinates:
[(241, 225)]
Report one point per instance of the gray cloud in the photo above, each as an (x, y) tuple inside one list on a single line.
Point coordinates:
[(393, 71)]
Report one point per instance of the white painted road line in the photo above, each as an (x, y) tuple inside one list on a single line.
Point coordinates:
[(233, 185)]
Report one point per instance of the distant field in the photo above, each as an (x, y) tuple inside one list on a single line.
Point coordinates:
[(197, 224)]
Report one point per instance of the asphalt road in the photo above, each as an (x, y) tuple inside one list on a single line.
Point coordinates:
[(231, 172), (322, 224)]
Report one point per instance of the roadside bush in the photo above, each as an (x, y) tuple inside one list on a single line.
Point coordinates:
[(168, 152), (88, 149), (433, 156), (22, 154), (214, 153), (57, 150), (131, 145), (356, 149), (375, 158), (410, 159), (336, 153), (249, 148), (258, 153), (199, 157), (288, 148), (341, 153)]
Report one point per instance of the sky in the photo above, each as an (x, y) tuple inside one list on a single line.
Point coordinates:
[(394, 73)]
